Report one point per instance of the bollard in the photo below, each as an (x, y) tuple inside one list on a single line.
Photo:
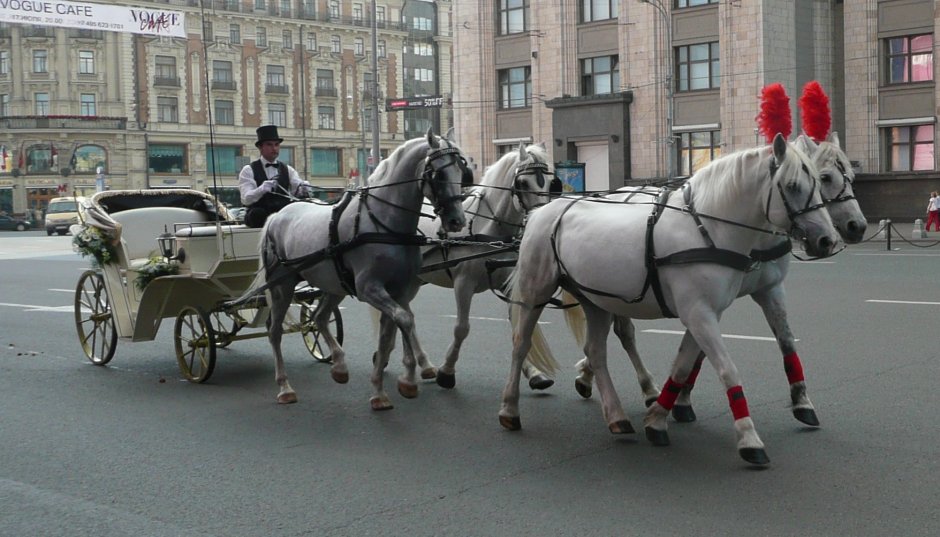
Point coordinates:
[(918, 232), (882, 225), (888, 234)]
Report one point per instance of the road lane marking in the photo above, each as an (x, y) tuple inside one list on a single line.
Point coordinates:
[(729, 336), (915, 302), (33, 307), (497, 319)]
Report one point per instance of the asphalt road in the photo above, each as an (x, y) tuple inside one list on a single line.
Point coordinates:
[(129, 449)]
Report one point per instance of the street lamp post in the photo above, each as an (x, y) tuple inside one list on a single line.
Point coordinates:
[(669, 140), (376, 155)]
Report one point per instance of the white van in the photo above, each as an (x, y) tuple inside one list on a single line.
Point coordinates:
[(62, 213)]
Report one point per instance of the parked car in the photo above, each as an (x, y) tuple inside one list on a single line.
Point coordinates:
[(10, 223), (61, 214)]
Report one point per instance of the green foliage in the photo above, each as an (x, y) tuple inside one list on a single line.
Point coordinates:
[(91, 241), (155, 267)]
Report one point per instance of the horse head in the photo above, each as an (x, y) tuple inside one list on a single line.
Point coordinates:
[(836, 177), (794, 201), (445, 173), (531, 185)]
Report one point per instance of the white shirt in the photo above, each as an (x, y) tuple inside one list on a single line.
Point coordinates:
[(251, 192)]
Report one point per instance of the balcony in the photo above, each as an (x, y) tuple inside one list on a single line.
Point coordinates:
[(63, 122), (271, 88), (168, 82), (326, 92), (227, 85)]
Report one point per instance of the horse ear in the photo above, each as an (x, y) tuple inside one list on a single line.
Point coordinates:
[(450, 135), (432, 140), (542, 145), (780, 147), (522, 153), (833, 139), (806, 144)]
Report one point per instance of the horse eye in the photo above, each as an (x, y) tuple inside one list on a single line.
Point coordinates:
[(826, 178)]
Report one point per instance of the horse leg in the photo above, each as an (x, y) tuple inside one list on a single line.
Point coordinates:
[(328, 303), (585, 378), (772, 303), (526, 320), (279, 300), (537, 379), (626, 333), (407, 381), (683, 411), (655, 420), (447, 374), (379, 399), (595, 348)]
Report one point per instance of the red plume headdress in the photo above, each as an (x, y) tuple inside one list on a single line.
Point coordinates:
[(814, 110), (774, 116)]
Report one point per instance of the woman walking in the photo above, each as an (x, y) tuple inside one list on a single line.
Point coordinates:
[(933, 211)]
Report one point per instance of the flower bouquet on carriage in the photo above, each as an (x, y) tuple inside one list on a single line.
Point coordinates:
[(95, 237)]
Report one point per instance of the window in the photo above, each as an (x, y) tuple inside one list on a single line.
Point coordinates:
[(336, 46), (422, 23), (5, 104), (697, 149), (697, 67), (326, 162), (285, 8), (87, 158), (87, 104), (357, 13), (380, 44), (326, 118), (40, 61), (207, 31), (367, 119), (223, 159), (334, 9), (325, 83), (225, 112), (515, 87), (380, 16), (310, 8), (275, 80), (311, 41), (286, 155), (235, 33), (86, 62), (599, 10), (165, 71), (39, 159), (287, 39), (909, 59), (359, 48), (693, 3), (221, 71), (910, 148), (167, 158), (260, 4), (4, 62), (422, 49), (261, 36), (277, 114), (513, 16), (167, 110), (42, 104), (419, 74), (600, 76)]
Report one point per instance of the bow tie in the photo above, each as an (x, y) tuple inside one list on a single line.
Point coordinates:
[(270, 165)]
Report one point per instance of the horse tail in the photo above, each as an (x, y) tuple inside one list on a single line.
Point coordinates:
[(376, 314), (540, 355), (574, 316)]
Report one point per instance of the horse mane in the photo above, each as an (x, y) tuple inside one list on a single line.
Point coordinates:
[(498, 171), (716, 187), (829, 152), (382, 171)]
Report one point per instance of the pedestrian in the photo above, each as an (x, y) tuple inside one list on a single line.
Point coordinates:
[(933, 211), (267, 185)]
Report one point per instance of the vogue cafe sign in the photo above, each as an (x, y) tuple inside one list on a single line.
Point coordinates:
[(89, 16)]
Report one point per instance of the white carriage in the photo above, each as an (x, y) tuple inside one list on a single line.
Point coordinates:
[(174, 254)]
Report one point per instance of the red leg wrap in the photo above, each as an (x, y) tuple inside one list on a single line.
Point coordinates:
[(738, 403), (667, 397), (690, 381), (793, 367)]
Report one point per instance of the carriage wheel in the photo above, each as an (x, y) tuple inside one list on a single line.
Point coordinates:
[(194, 340), (313, 340), (225, 325), (94, 320)]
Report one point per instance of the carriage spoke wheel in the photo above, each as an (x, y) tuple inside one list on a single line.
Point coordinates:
[(225, 325), (313, 338), (194, 339), (94, 320)]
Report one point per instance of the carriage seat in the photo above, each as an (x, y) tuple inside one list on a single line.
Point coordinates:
[(141, 227)]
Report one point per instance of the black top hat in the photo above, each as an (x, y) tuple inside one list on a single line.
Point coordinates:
[(266, 133)]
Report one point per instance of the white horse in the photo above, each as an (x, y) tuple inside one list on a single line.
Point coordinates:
[(764, 285), (366, 246), (693, 260), (496, 209)]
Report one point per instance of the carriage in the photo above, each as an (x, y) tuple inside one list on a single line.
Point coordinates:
[(175, 254)]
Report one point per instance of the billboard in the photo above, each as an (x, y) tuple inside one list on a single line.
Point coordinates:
[(90, 16), (412, 103)]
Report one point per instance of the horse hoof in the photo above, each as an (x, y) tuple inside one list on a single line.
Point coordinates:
[(583, 388), (540, 382), (446, 380), (408, 391), (650, 400), (621, 427), (286, 398), (513, 424), (381, 403), (807, 416), (429, 373), (340, 377), (657, 437), (683, 413), (754, 456)]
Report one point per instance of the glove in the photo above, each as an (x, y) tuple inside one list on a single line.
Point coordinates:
[(269, 185), (304, 189)]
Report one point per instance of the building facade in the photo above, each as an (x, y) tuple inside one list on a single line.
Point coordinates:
[(142, 111), (651, 90)]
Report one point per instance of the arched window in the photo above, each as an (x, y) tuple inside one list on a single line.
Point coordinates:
[(87, 158)]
